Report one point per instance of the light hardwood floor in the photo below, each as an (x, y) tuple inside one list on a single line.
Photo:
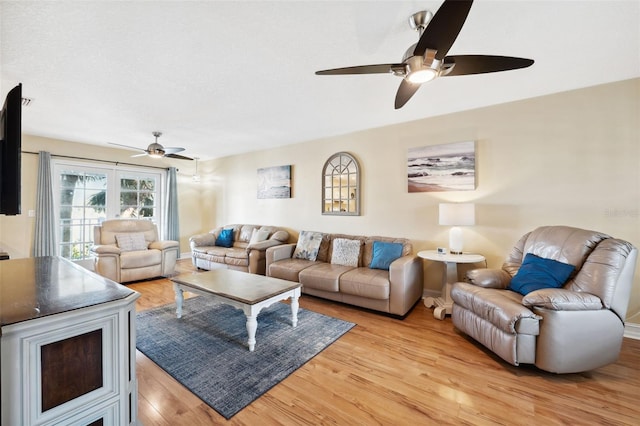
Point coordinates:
[(400, 372)]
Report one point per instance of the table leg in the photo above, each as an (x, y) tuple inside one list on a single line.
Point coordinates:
[(294, 310), (179, 300), (252, 326)]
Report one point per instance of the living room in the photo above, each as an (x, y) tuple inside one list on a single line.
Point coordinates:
[(564, 158)]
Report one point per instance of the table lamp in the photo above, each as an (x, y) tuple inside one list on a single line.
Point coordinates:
[(456, 215)]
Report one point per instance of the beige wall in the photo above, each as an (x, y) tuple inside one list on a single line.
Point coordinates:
[(570, 158)]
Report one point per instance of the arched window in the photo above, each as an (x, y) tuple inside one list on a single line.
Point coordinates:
[(341, 185)]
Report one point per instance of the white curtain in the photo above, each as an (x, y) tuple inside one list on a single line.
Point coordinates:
[(172, 231), (45, 233)]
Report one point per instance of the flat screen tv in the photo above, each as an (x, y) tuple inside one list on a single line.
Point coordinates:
[(10, 151)]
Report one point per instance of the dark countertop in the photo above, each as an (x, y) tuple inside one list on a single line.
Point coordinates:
[(40, 286)]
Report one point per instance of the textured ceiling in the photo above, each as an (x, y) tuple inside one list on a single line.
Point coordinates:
[(221, 78)]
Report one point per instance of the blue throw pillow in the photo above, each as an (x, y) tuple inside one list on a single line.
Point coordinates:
[(225, 239), (384, 254), (537, 272)]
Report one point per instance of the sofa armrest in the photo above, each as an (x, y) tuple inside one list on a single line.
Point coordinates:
[(263, 245), (164, 244), (406, 283), (560, 299), (105, 249), (208, 239), (280, 252), (488, 278)]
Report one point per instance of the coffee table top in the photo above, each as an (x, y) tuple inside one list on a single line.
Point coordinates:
[(235, 285)]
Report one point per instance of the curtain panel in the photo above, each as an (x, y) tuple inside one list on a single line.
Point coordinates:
[(172, 231), (45, 232)]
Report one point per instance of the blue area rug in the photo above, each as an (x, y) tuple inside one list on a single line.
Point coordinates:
[(206, 350)]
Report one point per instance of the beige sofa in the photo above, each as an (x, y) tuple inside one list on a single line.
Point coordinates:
[(129, 250), (243, 255), (576, 326), (394, 291)]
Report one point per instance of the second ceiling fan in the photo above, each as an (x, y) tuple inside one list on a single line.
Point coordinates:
[(155, 150), (427, 59)]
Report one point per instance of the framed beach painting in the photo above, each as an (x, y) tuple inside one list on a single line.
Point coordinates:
[(274, 182), (447, 167)]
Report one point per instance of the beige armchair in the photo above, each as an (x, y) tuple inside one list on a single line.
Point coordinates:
[(576, 327), (129, 250)]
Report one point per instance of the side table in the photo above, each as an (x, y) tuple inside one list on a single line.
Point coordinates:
[(444, 303)]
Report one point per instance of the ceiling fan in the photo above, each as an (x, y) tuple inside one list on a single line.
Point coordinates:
[(427, 60), (155, 150)]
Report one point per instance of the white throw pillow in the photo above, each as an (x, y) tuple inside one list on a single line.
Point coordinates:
[(131, 241), (258, 235), (345, 252)]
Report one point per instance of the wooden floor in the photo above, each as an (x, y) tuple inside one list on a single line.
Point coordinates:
[(400, 372)]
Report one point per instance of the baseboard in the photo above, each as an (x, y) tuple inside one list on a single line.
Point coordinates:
[(632, 330), (186, 255)]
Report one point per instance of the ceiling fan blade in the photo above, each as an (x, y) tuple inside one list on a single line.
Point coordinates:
[(363, 69), (405, 92), (480, 64), (172, 149), (139, 155), (127, 146), (178, 156), (444, 27)]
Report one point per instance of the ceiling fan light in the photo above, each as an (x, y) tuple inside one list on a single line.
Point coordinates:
[(422, 75), (156, 154)]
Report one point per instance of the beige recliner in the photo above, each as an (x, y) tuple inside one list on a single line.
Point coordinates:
[(129, 250), (575, 328)]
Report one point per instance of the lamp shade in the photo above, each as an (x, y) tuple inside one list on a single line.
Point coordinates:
[(457, 214)]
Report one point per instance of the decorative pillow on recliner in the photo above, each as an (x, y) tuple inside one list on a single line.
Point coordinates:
[(308, 245), (384, 254), (537, 272), (345, 252), (225, 239), (131, 241)]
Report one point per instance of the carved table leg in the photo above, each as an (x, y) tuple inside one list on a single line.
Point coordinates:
[(179, 300)]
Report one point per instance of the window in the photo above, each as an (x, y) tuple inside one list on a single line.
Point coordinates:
[(85, 195), (341, 185)]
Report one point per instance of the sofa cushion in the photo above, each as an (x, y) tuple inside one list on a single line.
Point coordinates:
[(384, 253), (225, 238), (537, 272), (140, 258), (131, 241), (308, 245), (323, 276), (366, 282), (345, 252), (289, 269)]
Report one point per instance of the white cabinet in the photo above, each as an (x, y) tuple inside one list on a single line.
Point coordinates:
[(72, 363)]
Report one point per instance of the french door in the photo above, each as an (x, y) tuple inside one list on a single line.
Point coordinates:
[(86, 194)]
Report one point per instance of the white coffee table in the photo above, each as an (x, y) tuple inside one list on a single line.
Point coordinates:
[(444, 303), (247, 292)]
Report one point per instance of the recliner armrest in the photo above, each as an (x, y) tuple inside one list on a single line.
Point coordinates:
[(164, 244), (488, 278), (106, 249), (560, 299)]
